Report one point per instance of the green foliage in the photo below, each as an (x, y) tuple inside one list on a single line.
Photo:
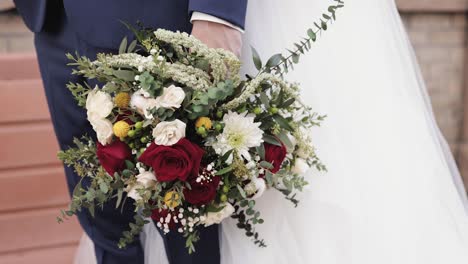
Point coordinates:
[(150, 84), (135, 229), (79, 92), (247, 217), (203, 102), (280, 64)]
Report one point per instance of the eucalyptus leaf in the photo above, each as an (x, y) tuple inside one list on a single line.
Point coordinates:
[(132, 46), (241, 191), (274, 60), (271, 140), (223, 171), (311, 34), (214, 208), (324, 25), (283, 122), (129, 165), (285, 139), (266, 165), (295, 57), (264, 99), (261, 151), (299, 48), (91, 210), (127, 173), (226, 155), (256, 58), (104, 188), (123, 46), (288, 103), (125, 75), (197, 108), (119, 198)]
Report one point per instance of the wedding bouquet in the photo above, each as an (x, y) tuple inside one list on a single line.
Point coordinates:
[(180, 133)]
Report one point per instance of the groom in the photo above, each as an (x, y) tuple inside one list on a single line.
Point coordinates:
[(90, 27)]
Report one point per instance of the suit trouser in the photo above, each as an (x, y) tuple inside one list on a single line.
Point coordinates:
[(69, 121)]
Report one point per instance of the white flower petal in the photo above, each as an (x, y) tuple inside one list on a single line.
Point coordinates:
[(102, 127), (216, 218), (99, 103), (168, 133), (300, 166), (240, 133), (172, 97)]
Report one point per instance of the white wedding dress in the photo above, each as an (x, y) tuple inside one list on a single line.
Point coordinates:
[(393, 194)]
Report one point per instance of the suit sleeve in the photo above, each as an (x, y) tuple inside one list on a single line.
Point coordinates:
[(233, 11)]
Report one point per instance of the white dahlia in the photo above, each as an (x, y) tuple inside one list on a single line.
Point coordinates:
[(240, 134)]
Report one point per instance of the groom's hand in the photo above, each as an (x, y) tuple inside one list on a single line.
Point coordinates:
[(216, 35)]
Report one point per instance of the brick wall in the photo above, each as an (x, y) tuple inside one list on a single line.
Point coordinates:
[(438, 31), (439, 41), (14, 36)]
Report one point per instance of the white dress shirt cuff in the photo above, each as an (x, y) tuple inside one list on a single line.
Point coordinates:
[(206, 17)]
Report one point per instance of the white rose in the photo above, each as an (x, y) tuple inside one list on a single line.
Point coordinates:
[(168, 133), (133, 193), (261, 187), (99, 103), (172, 97), (142, 102), (300, 166), (216, 218), (102, 127), (144, 180)]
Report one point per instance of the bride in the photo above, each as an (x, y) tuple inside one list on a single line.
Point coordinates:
[(393, 193)]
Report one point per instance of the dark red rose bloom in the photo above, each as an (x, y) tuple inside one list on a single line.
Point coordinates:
[(202, 192), (275, 155), (178, 161), (157, 214), (112, 156)]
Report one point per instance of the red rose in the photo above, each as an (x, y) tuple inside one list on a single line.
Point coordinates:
[(112, 156), (178, 161), (275, 155), (162, 214), (202, 192)]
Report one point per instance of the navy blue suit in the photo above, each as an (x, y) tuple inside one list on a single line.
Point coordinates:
[(90, 27)]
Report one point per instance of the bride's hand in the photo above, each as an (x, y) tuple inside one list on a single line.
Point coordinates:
[(216, 35)]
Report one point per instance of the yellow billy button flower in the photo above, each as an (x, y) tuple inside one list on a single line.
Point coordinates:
[(121, 129), (204, 122), (122, 100), (171, 199)]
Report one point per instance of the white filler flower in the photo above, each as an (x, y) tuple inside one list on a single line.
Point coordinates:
[(240, 133), (143, 180), (168, 133), (216, 218), (172, 97)]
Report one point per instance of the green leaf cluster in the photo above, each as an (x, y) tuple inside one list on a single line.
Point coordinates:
[(204, 101), (280, 64)]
